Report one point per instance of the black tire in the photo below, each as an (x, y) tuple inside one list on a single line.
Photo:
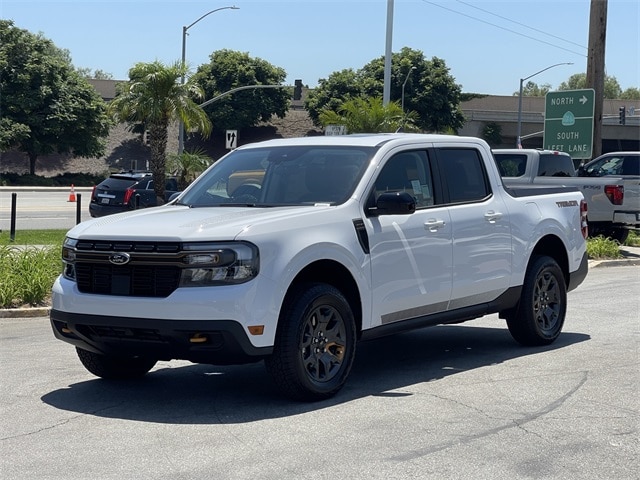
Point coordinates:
[(315, 343), (618, 234), (115, 368), (540, 314)]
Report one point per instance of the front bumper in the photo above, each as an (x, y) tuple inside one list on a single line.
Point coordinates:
[(218, 342)]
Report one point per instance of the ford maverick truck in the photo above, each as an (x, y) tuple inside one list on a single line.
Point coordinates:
[(613, 201), (292, 251)]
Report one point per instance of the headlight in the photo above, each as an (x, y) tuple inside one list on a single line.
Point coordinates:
[(68, 257), (219, 264)]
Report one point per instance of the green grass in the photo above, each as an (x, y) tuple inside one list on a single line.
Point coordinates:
[(33, 237)]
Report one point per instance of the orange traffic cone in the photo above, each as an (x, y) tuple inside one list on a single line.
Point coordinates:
[(72, 194)]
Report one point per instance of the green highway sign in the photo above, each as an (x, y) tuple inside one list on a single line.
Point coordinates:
[(568, 122)]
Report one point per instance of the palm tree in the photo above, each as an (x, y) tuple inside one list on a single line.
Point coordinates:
[(369, 115), (186, 166), (155, 97)]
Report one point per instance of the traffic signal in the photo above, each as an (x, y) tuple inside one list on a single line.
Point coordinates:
[(622, 114)]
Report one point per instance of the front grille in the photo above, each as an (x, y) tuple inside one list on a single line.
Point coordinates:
[(128, 280), (96, 332), (153, 270), (106, 246)]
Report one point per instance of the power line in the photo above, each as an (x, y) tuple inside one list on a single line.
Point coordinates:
[(504, 28), (521, 24)]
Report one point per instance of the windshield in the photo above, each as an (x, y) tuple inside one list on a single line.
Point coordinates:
[(285, 175)]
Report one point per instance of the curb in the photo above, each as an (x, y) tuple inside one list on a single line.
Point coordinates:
[(24, 312), (614, 263)]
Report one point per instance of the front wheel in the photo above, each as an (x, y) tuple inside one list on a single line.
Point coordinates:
[(315, 343), (115, 368), (540, 314)]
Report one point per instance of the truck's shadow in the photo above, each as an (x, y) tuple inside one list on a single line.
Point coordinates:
[(180, 393)]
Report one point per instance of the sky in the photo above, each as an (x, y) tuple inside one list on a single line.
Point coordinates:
[(488, 46)]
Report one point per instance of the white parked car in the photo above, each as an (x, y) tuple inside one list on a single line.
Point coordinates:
[(293, 250)]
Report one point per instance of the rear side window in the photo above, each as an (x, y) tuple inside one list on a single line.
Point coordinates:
[(630, 165), (511, 165), (464, 174), (555, 166)]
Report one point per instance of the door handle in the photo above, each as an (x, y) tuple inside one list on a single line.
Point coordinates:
[(492, 216), (433, 224)]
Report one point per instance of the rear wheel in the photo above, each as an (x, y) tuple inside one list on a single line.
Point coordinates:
[(315, 343), (540, 314), (115, 368)]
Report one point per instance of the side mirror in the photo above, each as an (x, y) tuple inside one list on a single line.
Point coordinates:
[(173, 196), (398, 203)]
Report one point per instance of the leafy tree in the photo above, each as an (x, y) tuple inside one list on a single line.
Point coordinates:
[(368, 115), (532, 89), (188, 165), (492, 133), (96, 74), (332, 92), (230, 69), (578, 81), (154, 97), (46, 107), (430, 90), (631, 94)]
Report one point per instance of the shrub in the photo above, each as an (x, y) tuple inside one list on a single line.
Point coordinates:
[(63, 180), (28, 274), (599, 248), (633, 240)]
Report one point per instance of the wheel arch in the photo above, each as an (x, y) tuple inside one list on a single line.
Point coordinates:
[(332, 273), (553, 247)]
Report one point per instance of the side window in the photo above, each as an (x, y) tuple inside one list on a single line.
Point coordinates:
[(511, 165), (407, 172), (463, 174), (610, 166)]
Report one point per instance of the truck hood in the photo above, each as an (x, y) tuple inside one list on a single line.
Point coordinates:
[(182, 223)]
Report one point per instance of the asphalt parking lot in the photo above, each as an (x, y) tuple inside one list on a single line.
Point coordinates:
[(459, 401)]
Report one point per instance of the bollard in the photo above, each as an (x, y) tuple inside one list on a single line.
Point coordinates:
[(12, 230), (78, 208)]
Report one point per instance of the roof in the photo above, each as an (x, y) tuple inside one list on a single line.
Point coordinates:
[(361, 140)]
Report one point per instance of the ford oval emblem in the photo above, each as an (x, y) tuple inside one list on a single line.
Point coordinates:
[(119, 258)]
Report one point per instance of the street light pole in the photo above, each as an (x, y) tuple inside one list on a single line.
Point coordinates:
[(403, 85), (519, 134), (184, 51)]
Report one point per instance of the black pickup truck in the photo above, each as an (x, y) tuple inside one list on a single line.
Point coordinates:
[(126, 191)]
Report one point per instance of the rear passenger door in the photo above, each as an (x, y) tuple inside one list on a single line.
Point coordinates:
[(410, 254), (481, 232)]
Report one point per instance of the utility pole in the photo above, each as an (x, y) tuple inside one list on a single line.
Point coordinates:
[(595, 66)]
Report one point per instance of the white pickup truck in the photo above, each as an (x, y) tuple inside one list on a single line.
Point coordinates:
[(293, 250), (613, 201)]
